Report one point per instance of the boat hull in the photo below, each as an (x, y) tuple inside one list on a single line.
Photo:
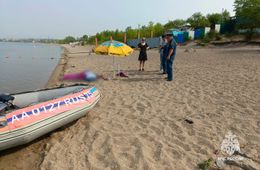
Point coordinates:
[(28, 132)]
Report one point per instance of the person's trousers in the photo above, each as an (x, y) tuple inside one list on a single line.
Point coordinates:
[(161, 60), (169, 69), (164, 64)]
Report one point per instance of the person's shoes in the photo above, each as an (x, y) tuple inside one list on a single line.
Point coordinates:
[(168, 80), (143, 69), (140, 70)]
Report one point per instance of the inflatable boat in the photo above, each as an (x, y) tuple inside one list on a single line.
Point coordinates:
[(29, 115)]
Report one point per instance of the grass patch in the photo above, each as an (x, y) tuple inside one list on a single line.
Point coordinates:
[(211, 36), (206, 165)]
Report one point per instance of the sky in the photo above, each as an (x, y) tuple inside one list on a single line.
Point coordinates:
[(59, 18)]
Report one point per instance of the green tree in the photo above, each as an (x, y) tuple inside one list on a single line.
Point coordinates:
[(150, 25), (84, 38), (158, 30), (225, 16), (214, 19), (91, 40), (174, 24), (197, 20), (248, 13), (131, 33), (68, 40)]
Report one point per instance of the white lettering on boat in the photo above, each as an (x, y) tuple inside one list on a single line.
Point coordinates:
[(14, 118), (82, 97), (67, 101), (58, 107), (75, 100), (50, 107), (37, 112), (24, 114), (44, 108)]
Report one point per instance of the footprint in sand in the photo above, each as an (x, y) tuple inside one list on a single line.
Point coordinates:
[(140, 107), (156, 130), (175, 127), (158, 151)]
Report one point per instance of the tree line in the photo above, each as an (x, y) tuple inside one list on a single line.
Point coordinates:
[(246, 11)]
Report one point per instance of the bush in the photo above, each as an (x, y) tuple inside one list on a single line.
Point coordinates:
[(206, 39), (218, 37), (67, 40), (211, 36), (248, 35), (206, 165)]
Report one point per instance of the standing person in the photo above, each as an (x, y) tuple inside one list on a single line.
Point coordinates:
[(170, 54), (143, 46), (163, 45)]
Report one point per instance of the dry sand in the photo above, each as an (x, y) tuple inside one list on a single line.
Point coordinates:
[(139, 123)]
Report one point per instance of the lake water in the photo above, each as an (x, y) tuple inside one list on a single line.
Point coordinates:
[(26, 66)]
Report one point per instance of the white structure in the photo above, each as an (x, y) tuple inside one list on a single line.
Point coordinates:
[(191, 34), (207, 30), (217, 28)]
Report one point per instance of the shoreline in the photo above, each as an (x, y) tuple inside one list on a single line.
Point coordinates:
[(59, 69)]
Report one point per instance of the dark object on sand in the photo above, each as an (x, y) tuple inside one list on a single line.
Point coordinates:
[(188, 120), (216, 152), (122, 74), (88, 76)]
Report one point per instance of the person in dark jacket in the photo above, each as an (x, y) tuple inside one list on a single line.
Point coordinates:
[(170, 54), (163, 48), (143, 46)]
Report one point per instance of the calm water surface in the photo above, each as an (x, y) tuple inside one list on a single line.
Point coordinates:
[(26, 66)]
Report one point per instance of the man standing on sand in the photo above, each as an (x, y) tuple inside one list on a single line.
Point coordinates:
[(170, 54), (163, 45)]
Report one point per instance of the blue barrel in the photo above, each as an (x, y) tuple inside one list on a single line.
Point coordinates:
[(180, 37), (197, 34)]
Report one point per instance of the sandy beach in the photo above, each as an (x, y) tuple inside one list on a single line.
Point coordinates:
[(140, 121)]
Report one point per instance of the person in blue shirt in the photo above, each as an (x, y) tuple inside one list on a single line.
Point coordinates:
[(163, 45), (170, 54)]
